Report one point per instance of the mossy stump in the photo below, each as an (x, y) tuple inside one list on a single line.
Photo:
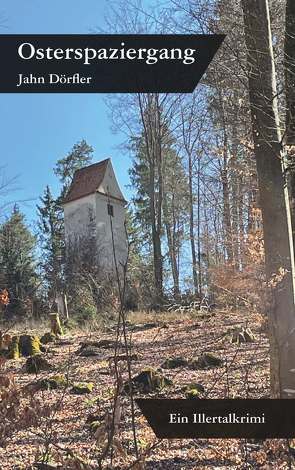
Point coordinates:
[(206, 361), (24, 345), (94, 348), (193, 386), (55, 325), (243, 335), (192, 394), (193, 390), (147, 381), (81, 388), (29, 345), (54, 382), (36, 364), (93, 421), (13, 350), (88, 351), (48, 338), (174, 362)]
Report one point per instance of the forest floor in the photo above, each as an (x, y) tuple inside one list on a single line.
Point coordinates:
[(66, 432)]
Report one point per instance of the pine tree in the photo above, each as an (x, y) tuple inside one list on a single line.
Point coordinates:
[(17, 261)]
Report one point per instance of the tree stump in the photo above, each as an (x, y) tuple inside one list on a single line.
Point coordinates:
[(13, 352), (55, 324), (29, 345)]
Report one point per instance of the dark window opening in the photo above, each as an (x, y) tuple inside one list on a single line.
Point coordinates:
[(111, 210)]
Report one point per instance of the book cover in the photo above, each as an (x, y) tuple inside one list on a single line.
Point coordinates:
[(147, 221)]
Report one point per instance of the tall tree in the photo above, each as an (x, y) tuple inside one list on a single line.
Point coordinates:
[(277, 239), (152, 123), (290, 72), (289, 136), (51, 236), (17, 261), (192, 129), (175, 208), (146, 181)]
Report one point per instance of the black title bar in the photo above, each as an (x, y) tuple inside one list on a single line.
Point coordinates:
[(104, 63), (260, 419)]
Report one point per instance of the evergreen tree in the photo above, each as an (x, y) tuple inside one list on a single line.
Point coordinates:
[(50, 218), (51, 236), (79, 156), (17, 261), (140, 265), (51, 221), (174, 200)]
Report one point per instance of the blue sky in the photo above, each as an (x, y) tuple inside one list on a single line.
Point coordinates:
[(38, 129)]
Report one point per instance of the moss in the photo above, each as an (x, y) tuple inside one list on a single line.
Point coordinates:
[(81, 388), (13, 350), (24, 345), (206, 361), (192, 394), (37, 363), (93, 421), (193, 386), (48, 338), (54, 382), (29, 345), (147, 381), (56, 328), (94, 425), (174, 362)]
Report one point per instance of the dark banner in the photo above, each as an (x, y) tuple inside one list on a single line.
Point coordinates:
[(259, 419), (104, 63)]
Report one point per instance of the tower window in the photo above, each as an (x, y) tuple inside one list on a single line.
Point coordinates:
[(111, 210)]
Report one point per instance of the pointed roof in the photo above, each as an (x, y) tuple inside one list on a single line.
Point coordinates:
[(87, 181)]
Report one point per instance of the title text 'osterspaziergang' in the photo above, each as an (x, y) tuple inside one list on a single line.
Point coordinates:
[(27, 51)]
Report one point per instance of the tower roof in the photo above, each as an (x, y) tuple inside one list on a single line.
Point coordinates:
[(87, 181)]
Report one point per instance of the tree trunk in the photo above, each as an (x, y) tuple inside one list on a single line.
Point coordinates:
[(290, 72), (150, 116), (289, 65), (227, 223), (199, 226), (226, 213), (192, 222), (171, 240), (159, 159), (172, 259), (235, 197), (277, 239)]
